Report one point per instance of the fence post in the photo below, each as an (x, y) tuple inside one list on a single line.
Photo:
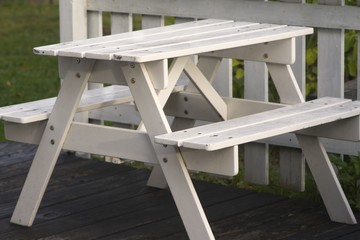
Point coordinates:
[(292, 163), (358, 63), (331, 58), (73, 23)]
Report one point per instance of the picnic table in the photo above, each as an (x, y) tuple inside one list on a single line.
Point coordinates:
[(149, 63)]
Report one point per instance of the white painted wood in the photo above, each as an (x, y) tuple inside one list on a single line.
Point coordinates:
[(158, 71), (331, 59), (205, 40), (170, 159), (94, 29), (331, 145), (124, 113), (329, 187), (26, 106), (53, 49), (358, 69), (256, 81), (183, 20), (208, 67), (282, 52), (121, 22), (227, 159), (110, 141), (157, 178), (292, 169), (256, 155), (175, 70), (223, 82), (120, 144), (105, 72), (292, 162), (206, 89), (54, 136), (272, 128), (358, 62), (187, 105), (73, 20), (25, 133), (94, 24), (325, 16), (41, 109), (275, 115), (345, 129), (285, 83), (151, 21), (74, 26), (256, 163)]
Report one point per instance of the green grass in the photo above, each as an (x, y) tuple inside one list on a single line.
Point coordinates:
[(24, 76)]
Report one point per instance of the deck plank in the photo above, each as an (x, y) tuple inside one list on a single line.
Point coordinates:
[(90, 199)]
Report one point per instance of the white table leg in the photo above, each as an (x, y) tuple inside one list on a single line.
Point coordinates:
[(329, 187), (285, 82), (290, 93), (169, 157), (52, 141), (157, 178)]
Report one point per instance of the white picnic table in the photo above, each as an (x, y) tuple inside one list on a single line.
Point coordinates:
[(139, 60)]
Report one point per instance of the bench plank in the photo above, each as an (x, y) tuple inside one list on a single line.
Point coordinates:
[(263, 125), (41, 109)]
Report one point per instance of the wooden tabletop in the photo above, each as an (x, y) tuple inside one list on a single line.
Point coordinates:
[(174, 41)]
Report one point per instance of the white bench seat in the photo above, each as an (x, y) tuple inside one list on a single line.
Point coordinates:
[(263, 125), (40, 110)]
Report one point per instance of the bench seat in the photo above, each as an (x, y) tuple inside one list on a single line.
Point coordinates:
[(263, 125), (40, 110)]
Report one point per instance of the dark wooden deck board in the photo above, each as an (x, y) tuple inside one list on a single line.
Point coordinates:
[(90, 199)]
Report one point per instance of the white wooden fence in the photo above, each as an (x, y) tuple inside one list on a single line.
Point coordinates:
[(83, 18)]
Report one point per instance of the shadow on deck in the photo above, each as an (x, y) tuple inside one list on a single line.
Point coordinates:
[(90, 199)]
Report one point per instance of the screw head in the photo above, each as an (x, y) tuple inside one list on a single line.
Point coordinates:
[(78, 75), (52, 128), (132, 80), (52, 141), (165, 160)]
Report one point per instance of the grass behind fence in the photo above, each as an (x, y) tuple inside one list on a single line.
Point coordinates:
[(24, 76)]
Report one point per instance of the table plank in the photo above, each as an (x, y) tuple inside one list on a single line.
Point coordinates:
[(52, 50), (174, 41)]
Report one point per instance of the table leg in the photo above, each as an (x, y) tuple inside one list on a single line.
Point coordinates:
[(169, 157), (157, 178), (329, 187), (52, 141), (208, 66), (285, 83)]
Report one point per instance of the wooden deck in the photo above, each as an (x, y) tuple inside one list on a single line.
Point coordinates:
[(90, 199)]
